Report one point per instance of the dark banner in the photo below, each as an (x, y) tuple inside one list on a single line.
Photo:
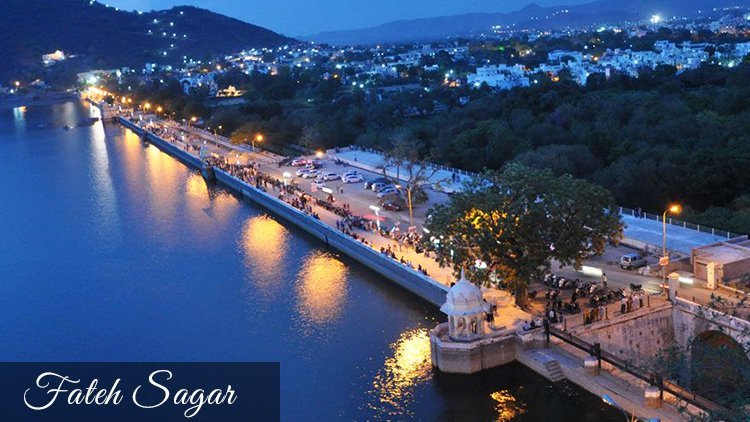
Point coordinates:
[(139, 391)]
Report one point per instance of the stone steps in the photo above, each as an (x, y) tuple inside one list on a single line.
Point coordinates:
[(554, 371)]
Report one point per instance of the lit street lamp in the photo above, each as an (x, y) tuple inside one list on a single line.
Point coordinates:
[(674, 209), (286, 175), (258, 138)]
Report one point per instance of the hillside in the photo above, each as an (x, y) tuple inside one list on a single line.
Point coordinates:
[(105, 37), (530, 17)]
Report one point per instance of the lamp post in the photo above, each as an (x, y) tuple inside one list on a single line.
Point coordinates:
[(258, 138), (674, 209)]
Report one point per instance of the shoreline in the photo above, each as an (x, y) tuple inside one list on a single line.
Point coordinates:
[(39, 99)]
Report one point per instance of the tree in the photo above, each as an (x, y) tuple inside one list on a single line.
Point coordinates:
[(412, 165), (511, 225), (310, 138)]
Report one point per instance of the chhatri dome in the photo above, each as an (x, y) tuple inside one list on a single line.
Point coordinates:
[(464, 306)]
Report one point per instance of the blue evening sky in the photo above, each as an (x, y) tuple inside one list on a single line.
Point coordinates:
[(305, 17)]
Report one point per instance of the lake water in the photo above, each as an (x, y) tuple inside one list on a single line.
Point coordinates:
[(111, 250)]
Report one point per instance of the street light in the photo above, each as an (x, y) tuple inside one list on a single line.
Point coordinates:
[(319, 154), (286, 175), (258, 138), (673, 209)]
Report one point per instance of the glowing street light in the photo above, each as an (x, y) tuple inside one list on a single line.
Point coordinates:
[(286, 175), (159, 109), (674, 209), (257, 138), (319, 154)]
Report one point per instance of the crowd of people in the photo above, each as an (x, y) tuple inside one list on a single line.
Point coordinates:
[(599, 296)]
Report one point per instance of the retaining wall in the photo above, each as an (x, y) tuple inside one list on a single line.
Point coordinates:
[(166, 146), (412, 280), (408, 278)]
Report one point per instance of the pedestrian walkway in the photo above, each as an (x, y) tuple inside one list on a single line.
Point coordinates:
[(627, 391)]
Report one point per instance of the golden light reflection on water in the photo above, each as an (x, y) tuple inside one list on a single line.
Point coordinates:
[(408, 367), (321, 288), (196, 187), (264, 242), (507, 406)]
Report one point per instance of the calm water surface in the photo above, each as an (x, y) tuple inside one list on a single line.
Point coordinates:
[(112, 250)]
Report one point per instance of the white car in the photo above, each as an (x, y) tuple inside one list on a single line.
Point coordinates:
[(377, 186), (309, 174), (302, 171), (328, 176), (352, 178)]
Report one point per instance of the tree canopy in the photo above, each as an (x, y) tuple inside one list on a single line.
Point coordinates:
[(509, 226)]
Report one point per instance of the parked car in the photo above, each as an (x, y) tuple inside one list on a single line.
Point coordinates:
[(352, 178), (351, 173), (326, 176), (310, 174), (319, 184), (300, 162), (632, 261), (388, 190), (378, 186), (302, 171), (382, 180), (392, 206)]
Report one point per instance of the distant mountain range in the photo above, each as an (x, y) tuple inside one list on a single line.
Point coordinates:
[(532, 16), (106, 37)]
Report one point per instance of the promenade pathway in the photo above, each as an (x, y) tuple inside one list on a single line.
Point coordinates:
[(359, 201)]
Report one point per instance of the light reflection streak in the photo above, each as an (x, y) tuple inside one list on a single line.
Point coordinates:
[(264, 242), (408, 367), (107, 217), (321, 288), (507, 406)]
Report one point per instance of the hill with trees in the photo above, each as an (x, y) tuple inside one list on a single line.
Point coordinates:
[(105, 37)]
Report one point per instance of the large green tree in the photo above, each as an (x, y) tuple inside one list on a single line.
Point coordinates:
[(510, 226)]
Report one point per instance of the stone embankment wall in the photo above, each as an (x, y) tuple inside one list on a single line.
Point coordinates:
[(412, 280), (635, 337)]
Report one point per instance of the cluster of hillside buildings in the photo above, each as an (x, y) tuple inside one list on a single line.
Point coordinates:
[(683, 56), (385, 69)]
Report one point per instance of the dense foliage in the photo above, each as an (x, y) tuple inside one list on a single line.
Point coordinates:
[(516, 222), (659, 138)]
